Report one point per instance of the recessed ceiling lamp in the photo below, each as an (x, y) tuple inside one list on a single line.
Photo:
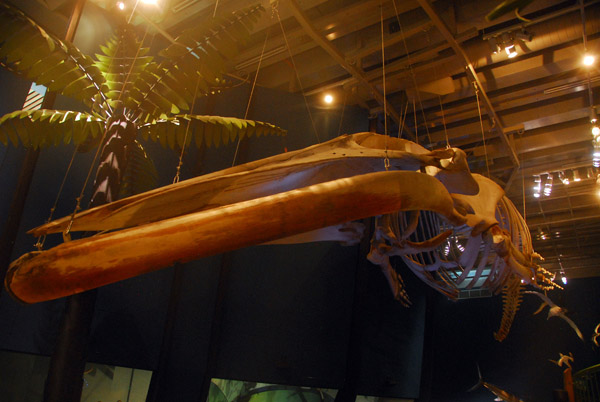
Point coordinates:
[(509, 45), (510, 50), (548, 185), (537, 188), (588, 60)]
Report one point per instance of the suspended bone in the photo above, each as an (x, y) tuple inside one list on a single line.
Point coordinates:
[(88, 263), (345, 156)]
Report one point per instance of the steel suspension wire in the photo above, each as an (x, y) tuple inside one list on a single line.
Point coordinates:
[(444, 122), (386, 161), (482, 131), (412, 74), (185, 138), (403, 120), (287, 44), (262, 53), (342, 116), (41, 239)]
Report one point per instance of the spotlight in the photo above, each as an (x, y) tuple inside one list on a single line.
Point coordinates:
[(510, 50), (328, 98), (563, 277), (121, 5), (563, 178), (595, 131), (537, 188), (588, 60), (548, 185)]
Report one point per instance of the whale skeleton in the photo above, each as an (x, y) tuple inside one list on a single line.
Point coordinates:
[(313, 194)]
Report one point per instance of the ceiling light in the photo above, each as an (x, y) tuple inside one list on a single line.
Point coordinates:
[(576, 176), (563, 178), (595, 130), (510, 50), (588, 60), (328, 98), (121, 5), (548, 185), (537, 188)]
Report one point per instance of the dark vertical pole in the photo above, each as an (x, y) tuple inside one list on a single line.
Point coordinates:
[(349, 390)]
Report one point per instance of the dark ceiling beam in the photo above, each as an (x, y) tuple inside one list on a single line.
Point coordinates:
[(355, 71), (348, 21), (441, 26)]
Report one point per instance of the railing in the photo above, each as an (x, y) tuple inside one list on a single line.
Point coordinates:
[(586, 384)]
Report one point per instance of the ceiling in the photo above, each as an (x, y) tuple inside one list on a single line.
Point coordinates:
[(529, 115)]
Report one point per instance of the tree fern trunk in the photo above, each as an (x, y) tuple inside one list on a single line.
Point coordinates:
[(113, 160)]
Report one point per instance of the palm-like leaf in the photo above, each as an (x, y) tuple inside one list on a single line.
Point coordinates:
[(36, 54), (42, 128), (205, 130), (192, 65), (125, 88), (123, 60)]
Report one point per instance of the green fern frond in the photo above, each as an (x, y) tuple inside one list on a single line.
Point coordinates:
[(205, 130), (42, 128), (123, 61), (39, 56), (194, 63)]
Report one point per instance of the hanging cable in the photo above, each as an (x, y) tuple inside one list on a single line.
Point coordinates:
[(342, 116), (275, 10), (416, 126), (215, 10), (444, 122), (523, 184), (41, 239), (386, 161), (66, 234), (185, 137), (412, 72), (401, 127), (482, 131), (262, 53)]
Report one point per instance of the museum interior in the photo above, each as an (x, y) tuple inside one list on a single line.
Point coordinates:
[(299, 200)]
